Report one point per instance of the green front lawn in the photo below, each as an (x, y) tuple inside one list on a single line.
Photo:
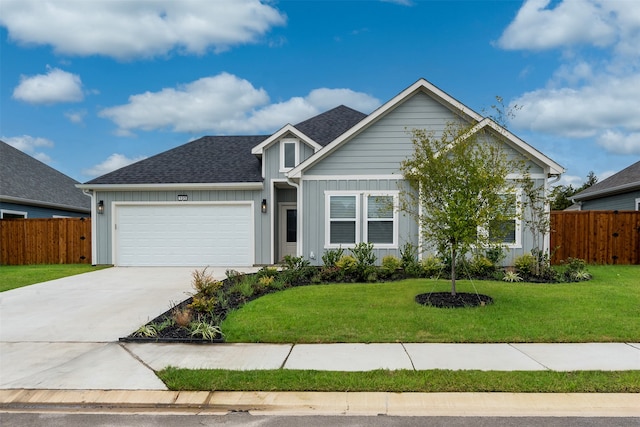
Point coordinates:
[(403, 381), (605, 309), (16, 276)]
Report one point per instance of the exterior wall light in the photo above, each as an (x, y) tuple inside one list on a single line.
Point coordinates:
[(263, 206), (101, 207)]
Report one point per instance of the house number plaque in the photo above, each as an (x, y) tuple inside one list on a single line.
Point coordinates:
[(183, 197)]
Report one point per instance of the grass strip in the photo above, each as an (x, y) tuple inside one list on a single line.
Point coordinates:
[(17, 276), (403, 381)]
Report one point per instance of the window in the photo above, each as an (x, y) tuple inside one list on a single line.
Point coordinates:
[(376, 221), (507, 231), (638, 204), (288, 154), (380, 220), (9, 214), (343, 218)]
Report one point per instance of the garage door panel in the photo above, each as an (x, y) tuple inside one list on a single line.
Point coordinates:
[(189, 235)]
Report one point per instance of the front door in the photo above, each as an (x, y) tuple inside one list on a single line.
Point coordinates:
[(288, 229)]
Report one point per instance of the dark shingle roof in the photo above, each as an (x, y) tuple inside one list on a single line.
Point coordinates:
[(210, 159), (27, 179), (627, 179), (329, 125), (224, 159)]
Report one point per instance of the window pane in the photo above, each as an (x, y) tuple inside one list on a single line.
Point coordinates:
[(343, 207), (380, 232), (503, 231), (292, 225), (380, 207), (342, 232), (289, 155)]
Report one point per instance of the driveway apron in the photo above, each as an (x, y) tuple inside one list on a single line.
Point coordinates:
[(63, 334)]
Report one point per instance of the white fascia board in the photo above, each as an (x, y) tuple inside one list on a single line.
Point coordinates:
[(178, 186), (533, 153), (421, 85), (259, 149)]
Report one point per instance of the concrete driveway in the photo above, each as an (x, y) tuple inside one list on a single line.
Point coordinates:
[(63, 334)]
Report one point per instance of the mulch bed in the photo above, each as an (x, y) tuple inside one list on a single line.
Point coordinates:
[(459, 300)]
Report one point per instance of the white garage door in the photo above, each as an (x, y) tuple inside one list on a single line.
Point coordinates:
[(184, 235)]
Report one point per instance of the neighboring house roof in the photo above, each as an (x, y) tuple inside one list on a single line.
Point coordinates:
[(624, 181), (224, 159), (446, 100), (28, 181)]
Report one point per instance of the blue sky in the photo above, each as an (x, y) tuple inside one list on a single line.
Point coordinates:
[(90, 86)]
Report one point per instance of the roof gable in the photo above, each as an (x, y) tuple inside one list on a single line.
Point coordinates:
[(24, 179), (627, 179), (423, 86)]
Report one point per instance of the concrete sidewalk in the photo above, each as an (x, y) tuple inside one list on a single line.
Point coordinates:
[(394, 356)]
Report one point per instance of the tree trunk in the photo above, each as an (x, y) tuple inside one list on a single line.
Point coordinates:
[(453, 270)]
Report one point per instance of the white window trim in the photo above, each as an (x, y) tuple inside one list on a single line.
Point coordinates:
[(327, 216), (283, 143), (638, 204), (9, 211), (518, 231), (361, 218), (366, 219)]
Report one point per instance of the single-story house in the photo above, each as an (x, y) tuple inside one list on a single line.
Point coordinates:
[(307, 188), (620, 191), (31, 189)]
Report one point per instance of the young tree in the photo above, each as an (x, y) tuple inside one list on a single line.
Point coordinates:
[(458, 182), (535, 216)]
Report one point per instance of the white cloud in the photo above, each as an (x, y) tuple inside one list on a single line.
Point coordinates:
[(113, 162), (76, 117), (50, 88), (606, 102), (620, 143), (596, 98), (30, 145), (130, 29), (225, 104), (537, 27)]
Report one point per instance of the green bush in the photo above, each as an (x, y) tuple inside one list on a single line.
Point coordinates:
[(481, 267), (346, 266), (409, 259), (525, 264), (206, 287), (390, 266), (432, 266), (575, 270), (366, 270), (331, 256)]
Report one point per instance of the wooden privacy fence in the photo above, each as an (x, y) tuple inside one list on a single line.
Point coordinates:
[(45, 241), (598, 237)]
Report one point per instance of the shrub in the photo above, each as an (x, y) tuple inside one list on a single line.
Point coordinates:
[(525, 264), (366, 270), (576, 270), (206, 287), (205, 330), (147, 331), (390, 266), (331, 256), (432, 266), (346, 266), (409, 259), (266, 281), (481, 267), (495, 254), (297, 271), (182, 316)]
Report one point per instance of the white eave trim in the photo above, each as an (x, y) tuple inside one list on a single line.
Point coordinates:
[(554, 168), (259, 149), (420, 85), (174, 186)]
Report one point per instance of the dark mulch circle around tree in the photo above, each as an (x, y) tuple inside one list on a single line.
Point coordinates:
[(459, 300)]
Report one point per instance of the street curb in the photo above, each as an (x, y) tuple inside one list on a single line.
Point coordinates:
[(324, 403)]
